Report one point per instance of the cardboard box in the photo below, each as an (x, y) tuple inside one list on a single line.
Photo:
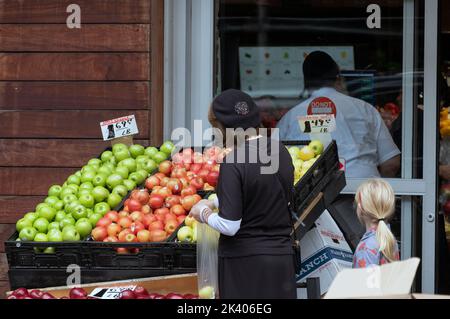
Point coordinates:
[(389, 281), (182, 284), (325, 253)]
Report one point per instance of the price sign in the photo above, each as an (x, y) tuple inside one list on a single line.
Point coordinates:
[(110, 293), (317, 124), (120, 127)]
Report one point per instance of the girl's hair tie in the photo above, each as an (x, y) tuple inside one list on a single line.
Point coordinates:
[(381, 219)]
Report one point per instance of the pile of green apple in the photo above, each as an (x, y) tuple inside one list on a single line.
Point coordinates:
[(72, 210), (304, 157)]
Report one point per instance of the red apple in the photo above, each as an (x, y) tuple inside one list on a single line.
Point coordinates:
[(113, 230), (190, 190), (212, 178), (203, 173), (151, 182), (140, 291), (36, 294), (160, 218), (148, 219), (165, 167), (169, 216), (131, 238), (125, 222), (99, 233), (160, 175), (137, 216), (122, 250), (172, 200), (21, 292), (123, 213), (171, 225), (178, 210), (123, 234), (47, 295), (104, 222), (113, 215), (181, 218), (158, 235), (111, 239), (161, 211), (128, 294), (77, 293), (156, 225), (177, 158), (184, 182), (146, 209), (156, 201), (164, 181), (134, 205), (197, 182), (136, 227), (142, 196), (196, 167), (143, 236), (174, 185), (187, 202)]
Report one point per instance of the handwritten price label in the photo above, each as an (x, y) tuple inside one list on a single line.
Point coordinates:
[(120, 127), (313, 124), (110, 293)]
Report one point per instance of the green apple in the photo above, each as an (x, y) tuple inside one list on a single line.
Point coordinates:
[(22, 223), (60, 215), (121, 155), (143, 173), (106, 156), (40, 205), (317, 146), (89, 168), (110, 166), (71, 206), (119, 147), (114, 180), (87, 200), (122, 171), (47, 212), (27, 234), (77, 173), (149, 165), (151, 151), (87, 177), (167, 147), (206, 292), (306, 153), (129, 163), (86, 185), (51, 200), (94, 218), (31, 216), (84, 192), (67, 191), (185, 234), (73, 179), (41, 237), (67, 199), (112, 162), (136, 177), (160, 157), (298, 163), (100, 194), (89, 211), (136, 150), (120, 190), (79, 212), (129, 184), (67, 221), (54, 235), (294, 151), (49, 250), (70, 234), (101, 208), (114, 200), (53, 225), (83, 227), (99, 180), (74, 187), (105, 170), (54, 190), (41, 225), (95, 162), (58, 205), (141, 159)]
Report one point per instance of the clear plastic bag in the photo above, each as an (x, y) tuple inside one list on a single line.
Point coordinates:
[(207, 261)]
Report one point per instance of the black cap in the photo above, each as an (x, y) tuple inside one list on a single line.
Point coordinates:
[(319, 69), (236, 109)]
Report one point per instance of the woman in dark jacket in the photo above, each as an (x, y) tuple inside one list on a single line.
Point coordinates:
[(256, 258)]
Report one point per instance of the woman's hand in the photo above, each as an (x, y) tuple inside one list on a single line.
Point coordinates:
[(198, 209)]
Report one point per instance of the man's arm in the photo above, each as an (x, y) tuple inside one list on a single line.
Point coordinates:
[(390, 167)]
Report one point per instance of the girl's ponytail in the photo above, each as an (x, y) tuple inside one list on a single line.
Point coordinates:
[(386, 240)]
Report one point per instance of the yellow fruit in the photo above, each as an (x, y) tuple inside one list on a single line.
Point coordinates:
[(294, 151), (306, 153), (297, 164)]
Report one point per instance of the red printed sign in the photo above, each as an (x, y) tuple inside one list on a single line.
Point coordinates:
[(322, 105)]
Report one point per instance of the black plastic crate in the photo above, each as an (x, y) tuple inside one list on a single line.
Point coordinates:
[(317, 177)]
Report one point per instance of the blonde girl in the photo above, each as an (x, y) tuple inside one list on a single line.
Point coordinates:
[(375, 202)]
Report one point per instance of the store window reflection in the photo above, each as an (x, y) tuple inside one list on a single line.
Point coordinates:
[(262, 46)]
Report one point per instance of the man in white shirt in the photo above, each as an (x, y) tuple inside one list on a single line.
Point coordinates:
[(362, 138)]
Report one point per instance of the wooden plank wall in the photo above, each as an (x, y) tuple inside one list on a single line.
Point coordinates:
[(57, 84)]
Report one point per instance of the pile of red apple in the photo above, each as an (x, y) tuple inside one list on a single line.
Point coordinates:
[(142, 293), (23, 293)]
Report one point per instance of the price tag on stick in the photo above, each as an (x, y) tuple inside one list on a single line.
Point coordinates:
[(319, 127), (122, 128)]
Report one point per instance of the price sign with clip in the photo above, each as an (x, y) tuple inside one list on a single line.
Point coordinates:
[(110, 292), (119, 127), (317, 124)]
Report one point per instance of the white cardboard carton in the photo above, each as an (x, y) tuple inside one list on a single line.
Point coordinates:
[(393, 280), (325, 253)]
